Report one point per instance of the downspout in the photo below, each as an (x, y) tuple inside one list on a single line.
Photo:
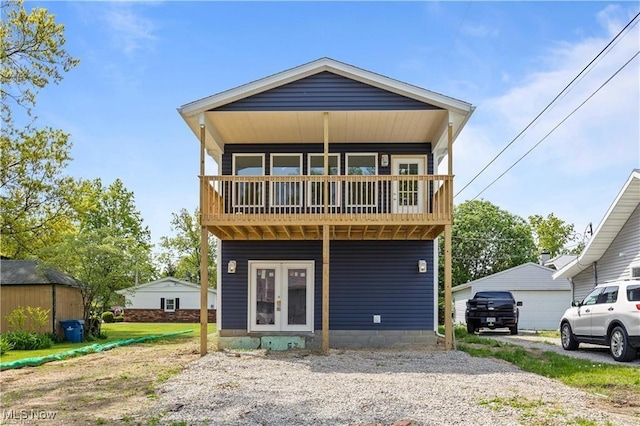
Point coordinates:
[(595, 274)]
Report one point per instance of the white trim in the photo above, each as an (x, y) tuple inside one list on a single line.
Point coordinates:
[(619, 212), (338, 192), (318, 66), (279, 320), (348, 184), (166, 303), (420, 202)]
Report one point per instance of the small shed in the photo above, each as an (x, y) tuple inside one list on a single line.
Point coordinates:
[(544, 299), (166, 300), (31, 283)]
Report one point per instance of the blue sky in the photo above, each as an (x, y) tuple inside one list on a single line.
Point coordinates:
[(139, 61)]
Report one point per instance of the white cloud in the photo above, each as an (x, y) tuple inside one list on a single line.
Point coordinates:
[(130, 31), (579, 168)]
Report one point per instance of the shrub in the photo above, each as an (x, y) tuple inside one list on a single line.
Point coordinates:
[(55, 338), (27, 319), (108, 317), (5, 346), (25, 341), (119, 318)]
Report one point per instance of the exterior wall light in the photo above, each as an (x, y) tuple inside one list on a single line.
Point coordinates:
[(231, 267), (422, 266)]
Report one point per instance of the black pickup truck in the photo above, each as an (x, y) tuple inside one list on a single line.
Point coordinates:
[(492, 309)]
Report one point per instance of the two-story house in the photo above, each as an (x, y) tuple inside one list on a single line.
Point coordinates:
[(327, 205)]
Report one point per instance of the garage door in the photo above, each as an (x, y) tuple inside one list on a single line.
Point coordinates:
[(542, 310)]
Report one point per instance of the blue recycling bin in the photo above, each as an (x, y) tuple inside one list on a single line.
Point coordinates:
[(73, 330)]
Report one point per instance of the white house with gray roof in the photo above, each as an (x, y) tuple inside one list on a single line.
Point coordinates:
[(613, 252)]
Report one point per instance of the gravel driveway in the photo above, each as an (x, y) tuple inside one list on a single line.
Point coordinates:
[(366, 387)]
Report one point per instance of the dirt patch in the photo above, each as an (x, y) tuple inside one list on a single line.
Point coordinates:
[(119, 386), (107, 387)]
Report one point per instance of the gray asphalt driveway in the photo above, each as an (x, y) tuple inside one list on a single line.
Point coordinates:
[(595, 353)]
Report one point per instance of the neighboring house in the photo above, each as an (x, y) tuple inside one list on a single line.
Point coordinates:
[(166, 300), (543, 299), (613, 252), (328, 205), (559, 261), (31, 283)]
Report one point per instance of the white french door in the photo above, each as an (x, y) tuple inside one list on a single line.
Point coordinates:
[(281, 296), (408, 195)]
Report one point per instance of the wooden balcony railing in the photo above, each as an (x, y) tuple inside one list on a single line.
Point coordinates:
[(353, 200)]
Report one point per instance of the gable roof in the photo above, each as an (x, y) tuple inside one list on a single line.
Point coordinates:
[(32, 272), (163, 280), (623, 206), (559, 261), (528, 265), (269, 127)]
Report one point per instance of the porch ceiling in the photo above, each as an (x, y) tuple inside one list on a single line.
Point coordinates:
[(251, 127)]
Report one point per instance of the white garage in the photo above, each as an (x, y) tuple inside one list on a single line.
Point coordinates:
[(544, 299)]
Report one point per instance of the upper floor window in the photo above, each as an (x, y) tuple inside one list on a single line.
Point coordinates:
[(248, 193), (316, 189), (286, 192), (635, 272), (363, 191)]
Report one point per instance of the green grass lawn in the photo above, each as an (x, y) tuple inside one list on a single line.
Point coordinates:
[(115, 331), (614, 380)]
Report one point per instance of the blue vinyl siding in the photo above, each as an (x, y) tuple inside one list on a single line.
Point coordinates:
[(326, 91), (334, 148), (380, 278), (366, 278)]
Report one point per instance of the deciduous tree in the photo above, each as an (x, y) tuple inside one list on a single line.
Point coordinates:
[(35, 194), (180, 255), (551, 234), (111, 248)]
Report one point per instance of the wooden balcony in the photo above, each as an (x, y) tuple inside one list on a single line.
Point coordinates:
[(374, 207)]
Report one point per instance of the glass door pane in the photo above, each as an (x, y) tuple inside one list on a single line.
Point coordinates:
[(297, 296), (266, 304)]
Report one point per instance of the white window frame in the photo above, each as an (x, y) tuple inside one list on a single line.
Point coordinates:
[(166, 305), (233, 172), (348, 184), (297, 184), (310, 184)]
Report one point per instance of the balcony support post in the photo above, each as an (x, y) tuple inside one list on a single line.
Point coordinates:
[(448, 320), (204, 250), (325, 241)]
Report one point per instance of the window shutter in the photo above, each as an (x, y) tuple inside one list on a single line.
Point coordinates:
[(177, 303), (162, 303)]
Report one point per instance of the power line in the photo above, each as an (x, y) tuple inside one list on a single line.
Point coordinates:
[(566, 89), (559, 124)]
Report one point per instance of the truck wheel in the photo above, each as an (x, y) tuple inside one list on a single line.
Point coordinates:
[(514, 330), (569, 343), (619, 345), (471, 328)]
